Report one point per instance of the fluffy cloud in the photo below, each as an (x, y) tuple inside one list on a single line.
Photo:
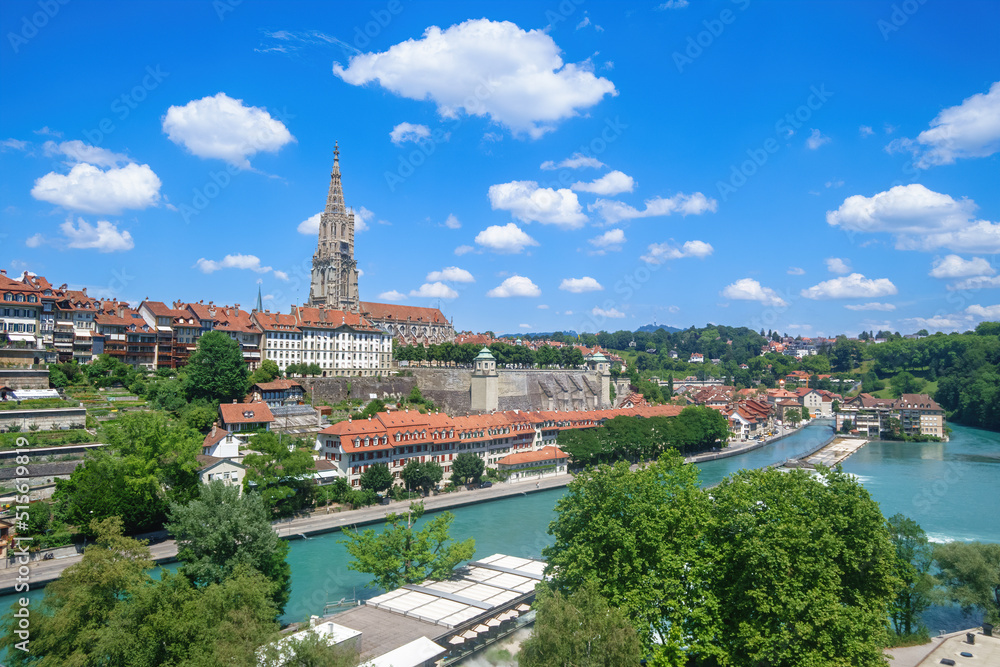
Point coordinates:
[(795, 271), (392, 295), (611, 183), (408, 132), (222, 127), (310, 225), (866, 130), (875, 305), (515, 286), (464, 250), (34, 240), (853, 286), (940, 322), (14, 144), (88, 188), (978, 282), (616, 211), (748, 289), (662, 252), (251, 262), (451, 274), (436, 290), (77, 151), (530, 203), (971, 129), (507, 239), (579, 285), (104, 236), (674, 4), (953, 266), (838, 265), (362, 217), (816, 139), (452, 222), (613, 239), (484, 68), (987, 312), (920, 219), (576, 161), (612, 313)]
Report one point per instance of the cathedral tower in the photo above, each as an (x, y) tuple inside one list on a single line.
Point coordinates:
[(334, 270)]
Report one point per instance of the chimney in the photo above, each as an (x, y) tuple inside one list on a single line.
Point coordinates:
[(3, 272), (313, 620), (234, 401)]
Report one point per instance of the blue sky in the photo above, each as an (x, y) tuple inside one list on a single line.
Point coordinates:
[(815, 168)]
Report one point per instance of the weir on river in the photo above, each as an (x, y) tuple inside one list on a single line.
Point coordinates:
[(945, 487)]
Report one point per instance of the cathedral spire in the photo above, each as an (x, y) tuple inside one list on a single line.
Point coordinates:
[(260, 304), (335, 197)]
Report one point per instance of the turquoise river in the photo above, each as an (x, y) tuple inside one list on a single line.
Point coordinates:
[(950, 489)]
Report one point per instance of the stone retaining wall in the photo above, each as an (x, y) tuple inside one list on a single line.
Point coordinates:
[(46, 420)]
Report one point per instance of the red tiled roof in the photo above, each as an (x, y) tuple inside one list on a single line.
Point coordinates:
[(278, 385), (388, 311), (217, 434), (233, 413), (544, 454)]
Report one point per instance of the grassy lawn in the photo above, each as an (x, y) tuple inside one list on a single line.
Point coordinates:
[(46, 438), (38, 404)]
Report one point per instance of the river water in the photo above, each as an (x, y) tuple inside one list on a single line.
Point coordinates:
[(950, 489)]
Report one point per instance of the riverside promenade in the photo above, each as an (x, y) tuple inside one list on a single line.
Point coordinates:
[(319, 521)]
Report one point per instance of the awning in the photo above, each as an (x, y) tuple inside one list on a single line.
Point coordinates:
[(493, 622), (470, 634), (457, 639), (522, 608), (480, 628), (20, 336)]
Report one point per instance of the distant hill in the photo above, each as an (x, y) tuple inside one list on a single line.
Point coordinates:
[(655, 327), (536, 334)]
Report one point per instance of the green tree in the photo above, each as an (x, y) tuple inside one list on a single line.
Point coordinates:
[(698, 427), (223, 529), (579, 630), (267, 372), (914, 557), (424, 476), (970, 573), (467, 468), (905, 383), (216, 371), (793, 416), (638, 535), (401, 554), (377, 478), (803, 571), (282, 476)]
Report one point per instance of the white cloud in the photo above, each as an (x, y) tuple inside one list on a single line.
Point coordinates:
[(34, 240), (281, 275), (542, 306), (612, 183), (979, 282), (451, 274), (362, 217), (409, 132), (838, 265), (452, 222), (616, 211), (515, 286), (748, 289), (941, 322), (988, 312), (866, 131), (613, 239), (662, 252), (392, 295), (310, 225), (816, 139), (15, 144), (251, 262), (576, 161), (875, 305), (674, 4), (835, 184), (77, 151), (920, 219), (613, 313), (579, 285), (525, 326), (795, 271), (850, 287), (529, 203), (48, 132), (508, 239), (104, 236), (436, 290), (88, 188), (953, 266), (800, 327), (464, 250), (222, 127), (267, 297), (971, 129), (485, 68)]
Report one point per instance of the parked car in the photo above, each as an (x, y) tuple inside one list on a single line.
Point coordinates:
[(485, 485)]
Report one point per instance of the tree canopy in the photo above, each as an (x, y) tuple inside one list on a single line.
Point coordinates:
[(402, 554), (216, 370), (282, 476), (467, 468), (970, 572)]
